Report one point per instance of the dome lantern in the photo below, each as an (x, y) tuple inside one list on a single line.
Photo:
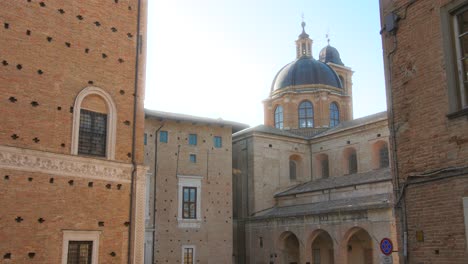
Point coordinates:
[(303, 43)]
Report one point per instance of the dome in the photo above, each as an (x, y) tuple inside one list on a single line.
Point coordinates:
[(306, 70), (330, 54)]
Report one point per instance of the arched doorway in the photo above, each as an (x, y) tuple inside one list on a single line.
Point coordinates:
[(289, 248), (359, 247), (322, 249)]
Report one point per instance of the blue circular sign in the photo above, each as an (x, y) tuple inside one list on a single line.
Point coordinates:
[(386, 246)]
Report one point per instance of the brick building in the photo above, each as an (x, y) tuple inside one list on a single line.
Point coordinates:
[(71, 139), (312, 185), (426, 47), (189, 188)]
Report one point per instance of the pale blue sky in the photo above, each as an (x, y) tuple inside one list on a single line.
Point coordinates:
[(218, 58)]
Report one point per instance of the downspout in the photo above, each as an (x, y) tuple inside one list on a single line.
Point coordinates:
[(399, 192), (134, 164), (244, 255), (154, 190)]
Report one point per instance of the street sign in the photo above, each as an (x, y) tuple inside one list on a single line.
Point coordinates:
[(386, 246), (386, 259)]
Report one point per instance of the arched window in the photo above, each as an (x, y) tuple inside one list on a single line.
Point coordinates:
[(306, 115), (383, 156), (292, 170), (94, 124), (334, 114), (279, 117)]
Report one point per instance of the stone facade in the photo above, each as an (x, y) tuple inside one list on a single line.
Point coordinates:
[(182, 161), (313, 185), (60, 59), (427, 111), (271, 207)]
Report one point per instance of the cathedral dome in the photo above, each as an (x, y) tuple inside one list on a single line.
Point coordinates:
[(330, 54), (306, 70)]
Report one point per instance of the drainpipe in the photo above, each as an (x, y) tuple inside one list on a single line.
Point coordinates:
[(154, 190), (134, 164)]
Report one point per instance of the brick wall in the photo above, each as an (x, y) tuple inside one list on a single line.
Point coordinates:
[(213, 239), (50, 51), (426, 139)]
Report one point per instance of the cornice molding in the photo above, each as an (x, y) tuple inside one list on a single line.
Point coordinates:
[(64, 165)]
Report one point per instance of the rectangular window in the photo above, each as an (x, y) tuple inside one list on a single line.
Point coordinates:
[(189, 213), (461, 38), (454, 17), (218, 142), (92, 133), (145, 139), (189, 203), (163, 136), (188, 254), (325, 169), (384, 160), (193, 139), (80, 252), (352, 163), (193, 158)]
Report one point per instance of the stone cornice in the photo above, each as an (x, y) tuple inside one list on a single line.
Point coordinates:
[(64, 165)]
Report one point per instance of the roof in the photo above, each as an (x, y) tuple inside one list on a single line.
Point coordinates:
[(189, 118), (330, 54), (303, 71), (268, 130), (354, 123), (339, 182), (378, 201)]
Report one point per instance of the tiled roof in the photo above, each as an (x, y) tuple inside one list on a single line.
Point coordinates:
[(377, 201), (296, 134), (189, 118), (340, 182), (354, 123), (268, 130)]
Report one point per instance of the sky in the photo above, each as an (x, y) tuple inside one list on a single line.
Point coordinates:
[(218, 58)]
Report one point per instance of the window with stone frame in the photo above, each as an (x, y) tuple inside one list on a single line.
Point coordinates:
[(189, 213), (92, 133), (454, 17), (188, 254), (279, 117), (80, 252), (460, 22), (189, 203), (306, 114)]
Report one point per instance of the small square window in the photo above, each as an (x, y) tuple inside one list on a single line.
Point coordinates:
[(163, 136), (193, 139), (218, 142), (193, 158)]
